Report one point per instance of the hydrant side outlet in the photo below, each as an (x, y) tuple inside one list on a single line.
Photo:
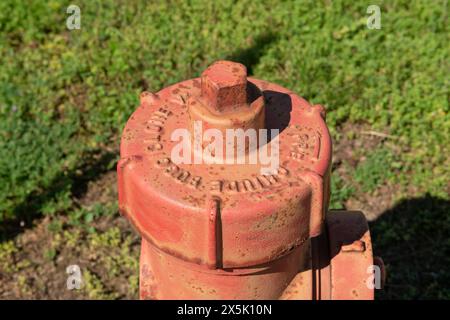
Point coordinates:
[(238, 227)]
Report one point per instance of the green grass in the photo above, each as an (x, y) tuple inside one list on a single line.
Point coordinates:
[(377, 169), (66, 95)]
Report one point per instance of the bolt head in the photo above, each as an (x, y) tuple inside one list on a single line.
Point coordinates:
[(224, 85), (148, 97)]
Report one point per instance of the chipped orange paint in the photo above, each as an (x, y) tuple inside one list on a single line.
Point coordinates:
[(224, 231)]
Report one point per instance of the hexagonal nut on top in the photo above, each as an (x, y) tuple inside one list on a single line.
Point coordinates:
[(224, 86)]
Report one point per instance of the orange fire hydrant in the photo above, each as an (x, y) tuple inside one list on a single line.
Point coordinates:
[(236, 229)]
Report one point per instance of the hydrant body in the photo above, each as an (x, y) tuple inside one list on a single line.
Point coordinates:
[(230, 228)]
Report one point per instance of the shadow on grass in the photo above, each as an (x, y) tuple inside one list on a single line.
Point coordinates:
[(94, 164), (250, 57), (413, 238)]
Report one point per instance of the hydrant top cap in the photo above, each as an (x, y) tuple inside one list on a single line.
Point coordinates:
[(177, 205)]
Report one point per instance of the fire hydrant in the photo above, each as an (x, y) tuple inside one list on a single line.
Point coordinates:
[(234, 229)]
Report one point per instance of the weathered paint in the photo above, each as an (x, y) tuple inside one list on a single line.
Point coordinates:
[(221, 231)]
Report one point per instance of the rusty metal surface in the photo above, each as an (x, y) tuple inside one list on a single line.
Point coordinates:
[(219, 231), (168, 203), (351, 255), (163, 276)]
